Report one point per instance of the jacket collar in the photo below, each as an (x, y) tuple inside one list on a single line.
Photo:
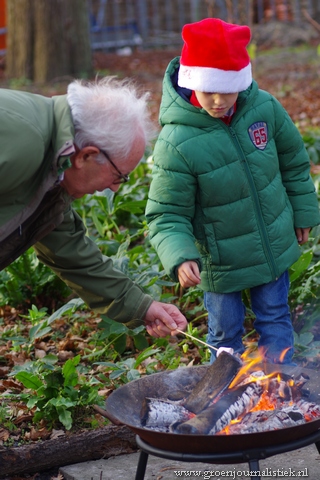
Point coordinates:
[(63, 134)]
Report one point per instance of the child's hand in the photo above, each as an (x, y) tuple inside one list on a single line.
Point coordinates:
[(188, 274), (302, 235)]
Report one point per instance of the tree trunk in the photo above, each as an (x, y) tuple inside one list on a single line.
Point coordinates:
[(48, 39), (101, 443)]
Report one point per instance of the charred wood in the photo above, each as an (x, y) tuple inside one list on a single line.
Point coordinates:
[(232, 404), (310, 410), (156, 412), (267, 420), (215, 381)]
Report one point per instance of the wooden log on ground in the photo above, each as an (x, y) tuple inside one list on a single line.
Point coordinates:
[(41, 456)]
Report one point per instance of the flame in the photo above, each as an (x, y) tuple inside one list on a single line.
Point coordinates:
[(226, 430), (265, 403), (247, 367), (281, 358)]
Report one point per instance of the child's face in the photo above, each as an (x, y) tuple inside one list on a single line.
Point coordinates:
[(216, 104)]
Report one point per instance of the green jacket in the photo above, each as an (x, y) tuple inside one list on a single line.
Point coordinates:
[(36, 142), (229, 197)]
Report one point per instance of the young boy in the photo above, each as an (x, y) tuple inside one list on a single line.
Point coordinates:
[(231, 195)]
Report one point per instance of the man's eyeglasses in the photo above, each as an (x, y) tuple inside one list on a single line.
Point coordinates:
[(122, 177)]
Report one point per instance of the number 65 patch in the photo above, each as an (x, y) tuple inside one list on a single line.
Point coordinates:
[(258, 133)]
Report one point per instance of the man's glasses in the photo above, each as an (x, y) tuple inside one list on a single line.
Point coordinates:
[(122, 177)]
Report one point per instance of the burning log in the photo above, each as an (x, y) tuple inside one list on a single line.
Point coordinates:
[(158, 413), (285, 387), (216, 380), (217, 416)]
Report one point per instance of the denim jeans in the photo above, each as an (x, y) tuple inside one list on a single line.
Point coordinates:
[(269, 302)]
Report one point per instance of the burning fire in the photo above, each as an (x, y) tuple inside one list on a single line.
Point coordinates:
[(267, 401), (252, 402)]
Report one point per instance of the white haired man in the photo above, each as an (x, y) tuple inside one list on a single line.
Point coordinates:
[(54, 150)]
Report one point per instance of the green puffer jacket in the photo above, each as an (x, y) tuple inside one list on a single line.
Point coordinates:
[(36, 142), (229, 197)]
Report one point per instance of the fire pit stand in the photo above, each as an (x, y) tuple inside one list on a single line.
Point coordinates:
[(251, 456)]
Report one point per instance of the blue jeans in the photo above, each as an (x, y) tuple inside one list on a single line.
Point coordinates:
[(269, 302)]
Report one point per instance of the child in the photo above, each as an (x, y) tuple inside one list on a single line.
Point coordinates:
[(231, 195)]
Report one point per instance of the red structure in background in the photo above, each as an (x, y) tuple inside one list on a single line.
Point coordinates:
[(2, 24)]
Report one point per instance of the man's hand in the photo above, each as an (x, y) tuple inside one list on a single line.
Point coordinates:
[(188, 274), (302, 235), (163, 319)]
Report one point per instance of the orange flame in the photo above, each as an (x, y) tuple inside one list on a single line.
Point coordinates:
[(281, 358), (266, 401)]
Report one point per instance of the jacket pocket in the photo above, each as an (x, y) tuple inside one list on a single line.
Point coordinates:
[(211, 243)]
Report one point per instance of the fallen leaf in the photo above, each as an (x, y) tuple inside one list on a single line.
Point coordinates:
[(4, 434), (57, 433), (42, 433), (63, 355), (40, 353), (12, 385), (4, 371)]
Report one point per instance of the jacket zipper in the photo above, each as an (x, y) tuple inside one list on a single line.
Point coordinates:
[(264, 235)]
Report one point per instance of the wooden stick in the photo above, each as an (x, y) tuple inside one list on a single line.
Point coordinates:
[(196, 339)]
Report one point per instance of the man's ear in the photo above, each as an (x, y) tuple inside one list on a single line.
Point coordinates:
[(80, 158)]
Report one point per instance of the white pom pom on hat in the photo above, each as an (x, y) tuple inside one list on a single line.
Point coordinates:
[(214, 57)]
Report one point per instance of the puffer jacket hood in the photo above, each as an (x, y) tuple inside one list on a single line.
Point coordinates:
[(174, 109), (229, 197)]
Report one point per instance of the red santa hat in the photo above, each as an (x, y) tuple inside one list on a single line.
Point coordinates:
[(214, 57)]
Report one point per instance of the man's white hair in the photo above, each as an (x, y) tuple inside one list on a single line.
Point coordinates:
[(110, 114)]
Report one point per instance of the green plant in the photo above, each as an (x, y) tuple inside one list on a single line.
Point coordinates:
[(56, 393), (6, 417), (127, 370), (26, 279), (116, 334), (304, 274), (204, 351), (311, 140)]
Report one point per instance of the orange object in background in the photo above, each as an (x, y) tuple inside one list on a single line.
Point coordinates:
[(3, 24)]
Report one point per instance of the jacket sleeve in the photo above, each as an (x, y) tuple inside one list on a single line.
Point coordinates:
[(295, 170), (79, 263), (171, 208)]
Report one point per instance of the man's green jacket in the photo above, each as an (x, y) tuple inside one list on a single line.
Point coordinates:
[(36, 142)]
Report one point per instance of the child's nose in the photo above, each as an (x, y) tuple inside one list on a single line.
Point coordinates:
[(218, 99)]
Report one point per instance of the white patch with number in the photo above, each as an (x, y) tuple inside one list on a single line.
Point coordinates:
[(258, 133)]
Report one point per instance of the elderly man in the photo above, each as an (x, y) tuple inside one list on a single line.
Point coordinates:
[(54, 150)]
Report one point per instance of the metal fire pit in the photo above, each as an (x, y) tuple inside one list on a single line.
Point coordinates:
[(124, 407)]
